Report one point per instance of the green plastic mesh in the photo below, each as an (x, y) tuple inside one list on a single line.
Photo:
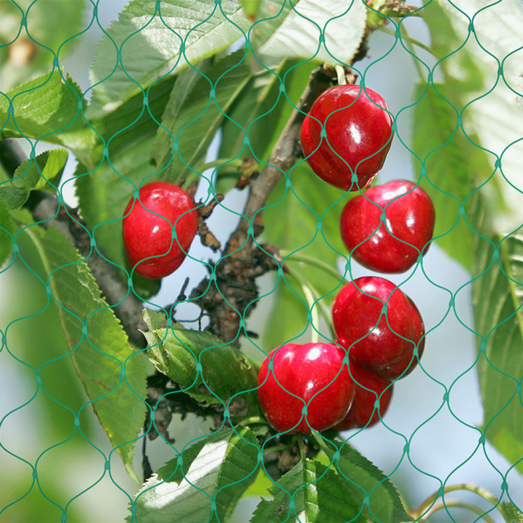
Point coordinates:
[(91, 341)]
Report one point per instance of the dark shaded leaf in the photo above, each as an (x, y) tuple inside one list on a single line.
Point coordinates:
[(104, 188), (192, 116), (42, 173), (292, 224), (263, 110), (6, 230), (453, 165), (225, 370)]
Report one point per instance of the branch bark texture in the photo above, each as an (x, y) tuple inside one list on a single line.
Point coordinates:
[(235, 291)]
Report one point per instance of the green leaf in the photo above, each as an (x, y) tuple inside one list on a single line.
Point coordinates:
[(46, 108), (47, 167), (6, 230), (50, 23), (264, 110), (318, 494), (295, 32), (188, 81), (363, 479), (192, 117), (288, 316), (490, 117), (105, 189), (226, 371), (145, 287), (218, 468), (453, 165), (133, 121), (42, 173), (152, 45), (250, 7), (292, 225), (497, 297), (261, 485), (270, 15), (460, 70), (511, 513), (103, 196), (12, 196), (100, 354)]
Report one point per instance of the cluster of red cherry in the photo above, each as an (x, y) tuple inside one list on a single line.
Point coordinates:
[(348, 130), (379, 330)]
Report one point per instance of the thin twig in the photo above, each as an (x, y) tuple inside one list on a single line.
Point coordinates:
[(235, 288), (407, 38), (458, 504), (427, 505)]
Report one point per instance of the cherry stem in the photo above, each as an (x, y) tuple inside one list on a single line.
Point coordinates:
[(407, 38), (457, 504), (220, 162), (252, 421), (315, 320), (314, 262), (340, 73), (314, 303), (277, 448), (301, 446), (426, 506)]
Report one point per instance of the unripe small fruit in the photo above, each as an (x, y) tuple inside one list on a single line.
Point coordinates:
[(357, 315), (148, 229), (362, 412), (358, 129), (376, 245), (305, 370)]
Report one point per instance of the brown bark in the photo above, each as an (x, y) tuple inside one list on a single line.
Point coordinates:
[(233, 294)]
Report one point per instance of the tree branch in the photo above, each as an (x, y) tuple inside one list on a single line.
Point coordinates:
[(283, 157), (243, 261), (46, 211), (236, 273)]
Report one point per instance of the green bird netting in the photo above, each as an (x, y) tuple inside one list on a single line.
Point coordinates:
[(128, 397)]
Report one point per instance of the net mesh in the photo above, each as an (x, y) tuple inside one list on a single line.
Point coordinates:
[(123, 140)]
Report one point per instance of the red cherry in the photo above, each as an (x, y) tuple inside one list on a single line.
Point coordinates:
[(304, 370), (356, 316), (362, 412), (359, 129), (410, 217), (146, 234)]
